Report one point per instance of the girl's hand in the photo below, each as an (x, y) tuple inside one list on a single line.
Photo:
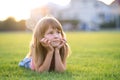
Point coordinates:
[(63, 41), (46, 43)]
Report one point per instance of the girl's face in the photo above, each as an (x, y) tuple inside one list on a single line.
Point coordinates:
[(53, 35)]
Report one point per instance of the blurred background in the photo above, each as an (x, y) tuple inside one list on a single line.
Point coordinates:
[(74, 15)]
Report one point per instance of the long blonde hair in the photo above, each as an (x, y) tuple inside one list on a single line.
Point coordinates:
[(38, 51)]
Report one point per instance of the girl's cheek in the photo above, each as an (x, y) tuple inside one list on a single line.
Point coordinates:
[(61, 37), (48, 37)]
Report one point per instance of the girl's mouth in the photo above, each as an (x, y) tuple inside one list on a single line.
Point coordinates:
[(55, 43)]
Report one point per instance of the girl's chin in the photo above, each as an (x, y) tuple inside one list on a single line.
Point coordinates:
[(55, 44)]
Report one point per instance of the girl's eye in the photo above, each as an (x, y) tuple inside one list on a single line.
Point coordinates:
[(50, 32), (58, 32)]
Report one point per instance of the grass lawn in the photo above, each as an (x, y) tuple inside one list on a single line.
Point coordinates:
[(95, 56)]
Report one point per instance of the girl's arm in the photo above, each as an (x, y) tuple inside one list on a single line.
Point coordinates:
[(29, 54), (60, 65), (46, 64)]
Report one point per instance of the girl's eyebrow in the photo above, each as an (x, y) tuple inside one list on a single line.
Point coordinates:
[(58, 30), (49, 31)]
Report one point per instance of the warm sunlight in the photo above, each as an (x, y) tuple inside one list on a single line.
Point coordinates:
[(20, 9)]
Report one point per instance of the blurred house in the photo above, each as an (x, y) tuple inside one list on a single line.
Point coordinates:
[(89, 13), (78, 15), (115, 11), (36, 14)]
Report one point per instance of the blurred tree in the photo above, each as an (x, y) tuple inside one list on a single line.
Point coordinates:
[(10, 24), (21, 25), (109, 25)]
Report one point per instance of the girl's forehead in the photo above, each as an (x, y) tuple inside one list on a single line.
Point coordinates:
[(53, 28)]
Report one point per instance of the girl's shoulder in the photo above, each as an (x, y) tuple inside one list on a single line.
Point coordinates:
[(32, 45)]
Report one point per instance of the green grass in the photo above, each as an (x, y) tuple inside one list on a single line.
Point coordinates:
[(95, 56)]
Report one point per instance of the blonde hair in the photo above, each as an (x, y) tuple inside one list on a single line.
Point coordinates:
[(37, 50)]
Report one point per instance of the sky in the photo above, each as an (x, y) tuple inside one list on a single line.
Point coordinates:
[(107, 1), (20, 9)]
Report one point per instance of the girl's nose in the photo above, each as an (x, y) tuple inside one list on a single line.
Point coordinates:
[(56, 36)]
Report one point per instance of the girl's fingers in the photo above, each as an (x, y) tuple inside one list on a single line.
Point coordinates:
[(62, 43), (48, 42), (64, 40), (42, 40), (45, 41)]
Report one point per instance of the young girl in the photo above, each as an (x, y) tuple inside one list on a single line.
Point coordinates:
[(48, 49)]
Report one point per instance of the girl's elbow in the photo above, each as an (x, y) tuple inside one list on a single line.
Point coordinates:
[(43, 69), (60, 69)]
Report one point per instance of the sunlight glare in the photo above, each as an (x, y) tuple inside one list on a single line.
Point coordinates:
[(20, 9), (108, 2), (61, 2)]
